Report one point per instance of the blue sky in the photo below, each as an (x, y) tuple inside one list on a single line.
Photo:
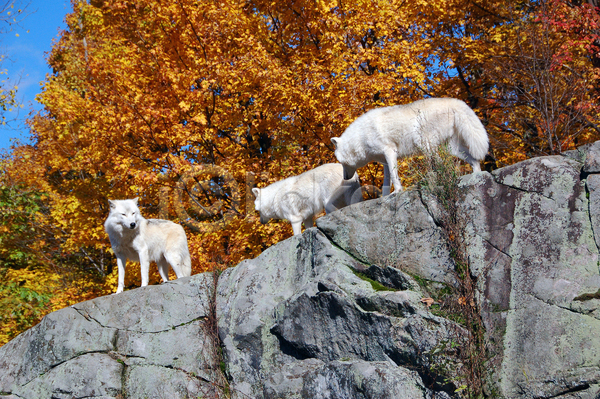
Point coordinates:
[(27, 54)]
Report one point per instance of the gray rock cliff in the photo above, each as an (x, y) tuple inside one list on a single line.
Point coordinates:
[(337, 311)]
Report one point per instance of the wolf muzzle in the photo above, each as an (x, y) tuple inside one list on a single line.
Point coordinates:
[(132, 226)]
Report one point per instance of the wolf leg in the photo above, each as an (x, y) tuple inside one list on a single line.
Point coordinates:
[(121, 262), (392, 168), (144, 266), (385, 190), (297, 227), (475, 166), (462, 152), (163, 269), (176, 262), (336, 200), (330, 206)]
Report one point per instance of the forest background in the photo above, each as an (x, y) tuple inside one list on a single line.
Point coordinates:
[(188, 104)]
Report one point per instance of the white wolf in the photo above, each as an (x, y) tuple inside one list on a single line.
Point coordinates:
[(385, 134), (146, 240), (299, 198)]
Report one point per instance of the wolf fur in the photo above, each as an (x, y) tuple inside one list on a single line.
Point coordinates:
[(146, 240), (385, 134), (299, 198)]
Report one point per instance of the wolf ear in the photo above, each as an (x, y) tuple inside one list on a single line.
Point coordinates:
[(135, 200), (256, 191), (335, 141), (112, 204)]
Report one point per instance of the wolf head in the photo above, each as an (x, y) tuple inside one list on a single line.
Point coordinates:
[(345, 156), (125, 213)]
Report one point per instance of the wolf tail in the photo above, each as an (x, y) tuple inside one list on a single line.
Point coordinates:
[(471, 132)]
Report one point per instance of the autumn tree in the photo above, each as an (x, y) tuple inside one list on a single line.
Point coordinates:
[(37, 275), (527, 75), (171, 101)]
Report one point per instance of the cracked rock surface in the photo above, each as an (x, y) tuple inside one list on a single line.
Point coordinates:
[(532, 230), (297, 322), (306, 319), (144, 343), (535, 257)]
